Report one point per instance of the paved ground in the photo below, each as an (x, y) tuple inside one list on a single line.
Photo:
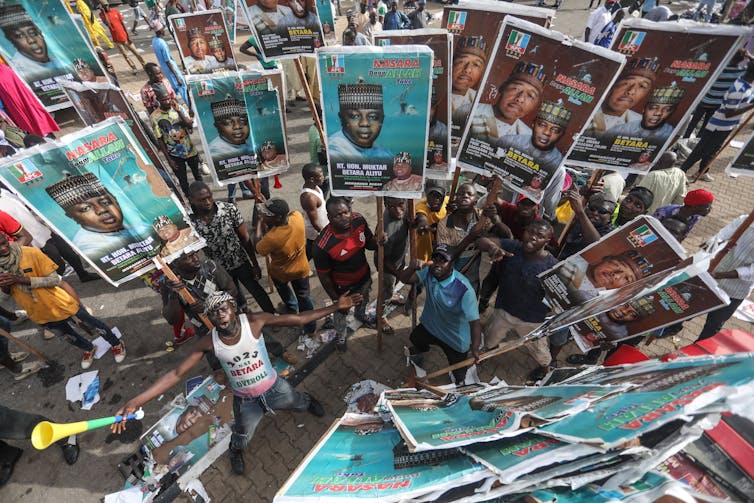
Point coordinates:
[(281, 442)]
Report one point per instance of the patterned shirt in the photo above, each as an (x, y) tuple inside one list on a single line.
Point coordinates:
[(167, 126), (343, 256), (672, 210), (149, 99), (714, 97), (735, 98), (223, 244)]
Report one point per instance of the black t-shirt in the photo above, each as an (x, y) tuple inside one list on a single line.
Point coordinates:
[(520, 292)]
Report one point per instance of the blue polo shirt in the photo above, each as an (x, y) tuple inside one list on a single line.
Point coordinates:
[(449, 307)]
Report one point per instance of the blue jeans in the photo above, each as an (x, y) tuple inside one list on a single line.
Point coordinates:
[(249, 411), (297, 299), (232, 190), (64, 328), (244, 275)]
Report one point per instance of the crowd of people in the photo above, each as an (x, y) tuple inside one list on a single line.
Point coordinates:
[(455, 230)]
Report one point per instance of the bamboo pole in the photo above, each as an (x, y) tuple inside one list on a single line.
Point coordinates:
[(380, 270), (411, 257)]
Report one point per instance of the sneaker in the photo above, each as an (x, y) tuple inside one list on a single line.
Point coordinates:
[(19, 356), (28, 369), (186, 335), (87, 359), (21, 317), (119, 352), (417, 359), (315, 408), (237, 463), (340, 343), (706, 178)]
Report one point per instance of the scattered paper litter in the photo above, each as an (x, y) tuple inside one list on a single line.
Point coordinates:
[(101, 346)]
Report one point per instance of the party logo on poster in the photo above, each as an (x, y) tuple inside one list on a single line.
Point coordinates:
[(631, 42), (456, 21), (206, 88), (642, 236), (383, 42), (180, 24), (25, 174), (515, 47), (335, 64)]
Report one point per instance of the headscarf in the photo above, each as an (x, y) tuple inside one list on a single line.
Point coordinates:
[(11, 264)]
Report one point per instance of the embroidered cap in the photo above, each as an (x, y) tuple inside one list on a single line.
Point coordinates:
[(195, 33), (555, 113), (14, 15), (360, 95), (670, 95), (475, 45), (215, 43), (160, 222), (227, 108), (643, 67), (76, 189), (530, 73)]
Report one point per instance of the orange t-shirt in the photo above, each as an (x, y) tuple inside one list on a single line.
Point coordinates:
[(286, 246)]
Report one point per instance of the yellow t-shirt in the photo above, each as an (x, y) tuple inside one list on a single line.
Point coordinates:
[(46, 304), (425, 242), (286, 246)]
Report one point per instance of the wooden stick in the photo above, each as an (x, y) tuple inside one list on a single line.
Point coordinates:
[(731, 137), (26, 346), (510, 346), (259, 198), (183, 292), (411, 257), (434, 389), (454, 183), (310, 99), (732, 241), (380, 271), (497, 185)]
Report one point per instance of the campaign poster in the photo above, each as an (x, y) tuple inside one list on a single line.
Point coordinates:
[(187, 432), (662, 392), (285, 28), (95, 102), (669, 67), (376, 109), (99, 191), (510, 458), (534, 100), (674, 302), (743, 163), (475, 27), (241, 125), (438, 138), (43, 45), (203, 42), (327, 20), (636, 250), (354, 461), (498, 412)]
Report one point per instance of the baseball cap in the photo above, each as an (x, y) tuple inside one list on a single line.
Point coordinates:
[(443, 250), (274, 207), (435, 188)]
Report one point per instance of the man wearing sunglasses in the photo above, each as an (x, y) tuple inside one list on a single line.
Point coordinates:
[(592, 222)]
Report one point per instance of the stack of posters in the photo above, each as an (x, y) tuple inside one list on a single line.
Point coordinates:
[(475, 26), (600, 440), (668, 70), (376, 112), (241, 125), (537, 95), (99, 190)]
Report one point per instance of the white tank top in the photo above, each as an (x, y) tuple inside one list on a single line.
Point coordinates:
[(311, 232), (245, 363)]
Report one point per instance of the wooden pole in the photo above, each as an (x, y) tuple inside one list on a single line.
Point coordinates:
[(411, 257), (454, 183), (506, 347), (26, 346), (727, 142), (380, 270), (732, 241), (310, 99), (183, 292)]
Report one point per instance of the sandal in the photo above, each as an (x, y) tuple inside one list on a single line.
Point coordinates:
[(387, 329)]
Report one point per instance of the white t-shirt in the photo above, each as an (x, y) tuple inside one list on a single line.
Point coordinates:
[(597, 20), (13, 206)]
